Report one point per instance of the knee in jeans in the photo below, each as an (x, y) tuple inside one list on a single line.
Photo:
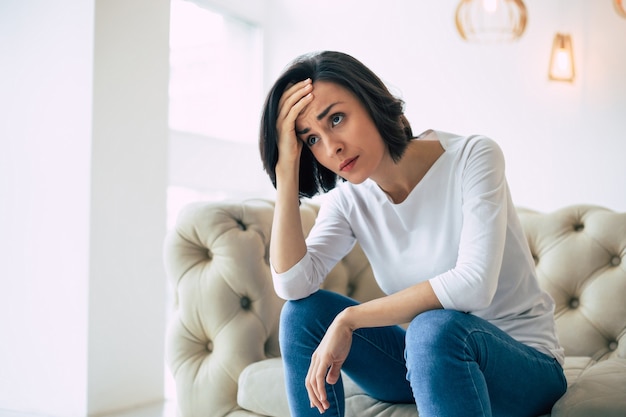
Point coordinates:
[(432, 331), (306, 320), (304, 313), (293, 322), (299, 312), (292, 315), (430, 338)]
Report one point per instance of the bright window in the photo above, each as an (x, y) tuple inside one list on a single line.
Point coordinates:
[(216, 74), (215, 100)]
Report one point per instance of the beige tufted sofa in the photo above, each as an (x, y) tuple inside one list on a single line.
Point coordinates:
[(222, 343)]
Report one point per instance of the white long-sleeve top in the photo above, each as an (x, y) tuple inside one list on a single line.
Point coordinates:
[(458, 228)]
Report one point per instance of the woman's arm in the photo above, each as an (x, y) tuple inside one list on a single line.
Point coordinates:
[(398, 308), (299, 266), (471, 285), (287, 245)]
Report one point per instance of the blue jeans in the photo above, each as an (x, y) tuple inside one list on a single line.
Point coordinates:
[(448, 363)]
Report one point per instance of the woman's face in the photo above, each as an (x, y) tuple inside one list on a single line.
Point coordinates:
[(341, 134)]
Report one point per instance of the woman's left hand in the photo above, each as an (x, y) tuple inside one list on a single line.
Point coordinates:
[(326, 363)]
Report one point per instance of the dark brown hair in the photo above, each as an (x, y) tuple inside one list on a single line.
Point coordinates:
[(386, 111)]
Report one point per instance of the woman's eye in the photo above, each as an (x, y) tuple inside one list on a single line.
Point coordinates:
[(312, 140), (336, 119)]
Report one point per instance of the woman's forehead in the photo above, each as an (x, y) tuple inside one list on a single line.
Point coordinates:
[(325, 96)]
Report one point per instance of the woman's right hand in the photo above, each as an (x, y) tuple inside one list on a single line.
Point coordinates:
[(295, 98), (287, 245)]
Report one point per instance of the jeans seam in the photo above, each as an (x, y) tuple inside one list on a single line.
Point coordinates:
[(482, 409), (468, 364), (332, 389)]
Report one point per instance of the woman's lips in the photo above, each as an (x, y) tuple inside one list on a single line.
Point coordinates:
[(348, 164)]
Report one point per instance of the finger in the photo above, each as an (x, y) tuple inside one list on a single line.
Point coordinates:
[(292, 98), (288, 142), (316, 391), (320, 386), (333, 374), (291, 89), (289, 121), (310, 388)]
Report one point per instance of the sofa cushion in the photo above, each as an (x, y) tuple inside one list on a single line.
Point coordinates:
[(574, 366), (599, 390), (262, 390)]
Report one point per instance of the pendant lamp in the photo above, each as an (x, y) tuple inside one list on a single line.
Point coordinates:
[(620, 7), (491, 20), (562, 59)]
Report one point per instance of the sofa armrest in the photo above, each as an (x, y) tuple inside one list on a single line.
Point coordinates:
[(226, 312)]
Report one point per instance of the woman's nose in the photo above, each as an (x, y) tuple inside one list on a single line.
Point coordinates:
[(334, 146)]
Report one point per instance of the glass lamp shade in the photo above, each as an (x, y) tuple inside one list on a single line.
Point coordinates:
[(620, 7), (562, 59), (491, 20)]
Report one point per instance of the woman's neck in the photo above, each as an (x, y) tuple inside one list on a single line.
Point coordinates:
[(399, 179)]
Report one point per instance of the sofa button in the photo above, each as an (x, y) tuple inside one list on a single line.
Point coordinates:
[(209, 346), (578, 227), (245, 303), (613, 346), (350, 290), (574, 303), (241, 225), (615, 261)]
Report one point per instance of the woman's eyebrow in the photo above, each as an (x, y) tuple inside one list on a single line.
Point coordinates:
[(326, 111), (319, 117)]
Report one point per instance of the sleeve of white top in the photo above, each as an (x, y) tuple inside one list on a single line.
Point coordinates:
[(295, 283), (330, 239), (472, 283)]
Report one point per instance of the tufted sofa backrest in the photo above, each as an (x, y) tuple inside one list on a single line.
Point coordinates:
[(579, 253), (226, 312)]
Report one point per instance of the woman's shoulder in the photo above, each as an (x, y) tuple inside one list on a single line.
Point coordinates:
[(471, 147), (453, 141)]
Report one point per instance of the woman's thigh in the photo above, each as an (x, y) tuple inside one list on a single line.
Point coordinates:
[(460, 363)]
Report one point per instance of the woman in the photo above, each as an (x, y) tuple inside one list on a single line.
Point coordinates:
[(434, 216)]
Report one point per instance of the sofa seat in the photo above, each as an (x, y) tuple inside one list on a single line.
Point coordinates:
[(222, 342), (589, 387)]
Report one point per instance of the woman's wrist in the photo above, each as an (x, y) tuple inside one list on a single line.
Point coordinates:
[(347, 318), (287, 169)]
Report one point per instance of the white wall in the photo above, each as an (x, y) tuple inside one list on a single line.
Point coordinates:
[(128, 214), (82, 204), (564, 143), (45, 126)]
